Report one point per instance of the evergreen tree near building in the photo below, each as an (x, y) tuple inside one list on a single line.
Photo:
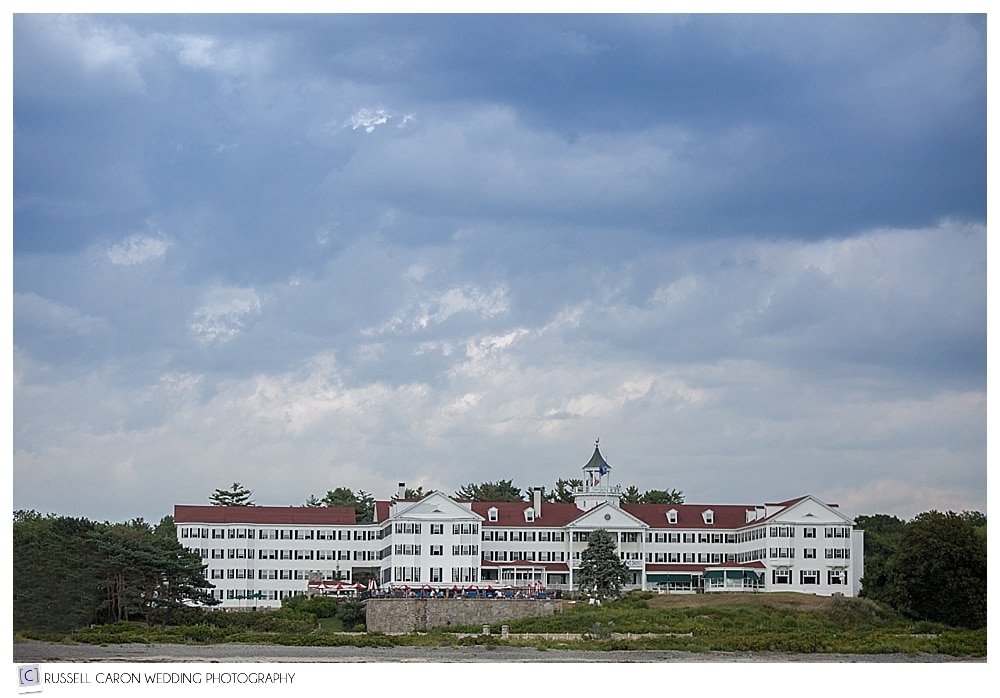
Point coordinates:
[(499, 491), (235, 496), (602, 572)]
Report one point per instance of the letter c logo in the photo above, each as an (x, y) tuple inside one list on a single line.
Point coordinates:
[(29, 675)]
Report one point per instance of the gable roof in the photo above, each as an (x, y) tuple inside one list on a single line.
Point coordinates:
[(607, 514), (434, 503), (313, 516)]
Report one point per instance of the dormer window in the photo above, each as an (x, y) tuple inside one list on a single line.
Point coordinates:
[(672, 516), (708, 516), (529, 514), (492, 513)]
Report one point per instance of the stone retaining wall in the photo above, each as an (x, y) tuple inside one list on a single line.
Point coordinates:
[(396, 616)]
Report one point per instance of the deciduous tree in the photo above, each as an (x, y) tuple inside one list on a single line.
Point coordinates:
[(939, 571)]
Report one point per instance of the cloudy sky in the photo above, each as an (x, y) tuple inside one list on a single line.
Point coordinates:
[(748, 253)]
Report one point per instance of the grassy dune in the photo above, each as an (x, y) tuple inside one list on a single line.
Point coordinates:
[(781, 622)]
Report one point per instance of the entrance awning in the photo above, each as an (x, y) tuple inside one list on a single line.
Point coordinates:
[(666, 578)]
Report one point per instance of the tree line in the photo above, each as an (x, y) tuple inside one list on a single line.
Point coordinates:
[(363, 502), (72, 572), (930, 568)]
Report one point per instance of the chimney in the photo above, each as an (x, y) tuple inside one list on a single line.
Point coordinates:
[(402, 491), (537, 504)]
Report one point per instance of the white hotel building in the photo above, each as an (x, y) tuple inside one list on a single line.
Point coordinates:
[(256, 556)]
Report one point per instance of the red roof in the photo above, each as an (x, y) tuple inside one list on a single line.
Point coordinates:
[(724, 516), (318, 516), (511, 514)]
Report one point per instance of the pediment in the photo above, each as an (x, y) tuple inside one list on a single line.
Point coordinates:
[(607, 515), (437, 507), (810, 510)]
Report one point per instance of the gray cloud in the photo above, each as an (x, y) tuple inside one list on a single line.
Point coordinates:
[(748, 252)]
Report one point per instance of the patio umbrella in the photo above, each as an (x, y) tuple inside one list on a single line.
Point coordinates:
[(359, 585), (339, 586)]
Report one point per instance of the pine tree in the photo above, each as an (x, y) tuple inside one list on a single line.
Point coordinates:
[(602, 572), (235, 496), (499, 491)]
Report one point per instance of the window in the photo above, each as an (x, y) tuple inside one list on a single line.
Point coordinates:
[(672, 516), (437, 529), (837, 532), (688, 557), (465, 529), (284, 554), (436, 575), (703, 538), (465, 574), (781, 576), (838, 553), (286, 534), (836, 577), (408, 528), (267, 554), (809, 553), (465, 550), (529, 514), (407, 549), (689, 538), (580, 536), (809, 577), (809, 532), (218, 554), (492, 514), (218, 574), (437, 550), (267, 574), (406, 574), (708, 516), (673, 537)]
